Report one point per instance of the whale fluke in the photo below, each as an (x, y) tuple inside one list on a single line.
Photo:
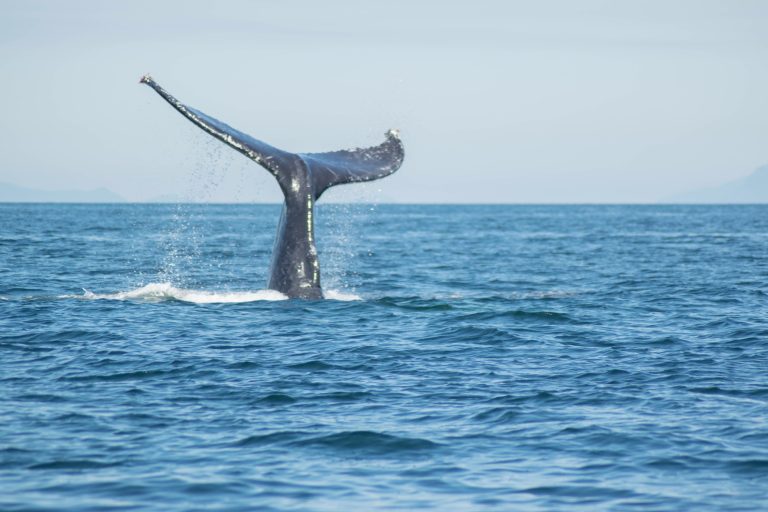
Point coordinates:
[(262, 153), (356, 165), (303, 177)]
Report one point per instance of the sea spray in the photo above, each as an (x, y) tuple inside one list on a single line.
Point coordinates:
[(344, 213), (184, 261)]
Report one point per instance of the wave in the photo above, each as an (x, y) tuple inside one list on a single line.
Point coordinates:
[(156, 292), (369, 442), (73, 464)]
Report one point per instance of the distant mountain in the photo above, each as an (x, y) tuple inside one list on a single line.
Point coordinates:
[(750, 189), (10, 193)]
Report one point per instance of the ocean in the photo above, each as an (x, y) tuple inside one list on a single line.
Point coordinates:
[(466, 358)]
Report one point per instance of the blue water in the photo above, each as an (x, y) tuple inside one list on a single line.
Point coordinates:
[(474, 358)]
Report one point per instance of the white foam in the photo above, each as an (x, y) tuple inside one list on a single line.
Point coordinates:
[(337, 295), (156, 292)]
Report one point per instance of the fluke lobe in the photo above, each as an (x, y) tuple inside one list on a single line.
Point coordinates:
[(303, 177)]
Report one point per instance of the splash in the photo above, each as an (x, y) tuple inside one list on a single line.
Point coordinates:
[(157, 292), (340, 296)]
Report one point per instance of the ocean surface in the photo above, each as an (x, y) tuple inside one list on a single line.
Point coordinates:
[(466, 358)]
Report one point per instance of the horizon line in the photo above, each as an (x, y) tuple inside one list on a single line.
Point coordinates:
[(385, 203)]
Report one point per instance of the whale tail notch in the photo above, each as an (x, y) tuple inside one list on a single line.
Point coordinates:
[(327, 169)]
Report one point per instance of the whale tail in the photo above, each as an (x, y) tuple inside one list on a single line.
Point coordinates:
[(326, 169), (355, 165)]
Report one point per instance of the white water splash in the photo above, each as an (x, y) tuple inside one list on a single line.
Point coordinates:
[(156, 292), (341, 296)]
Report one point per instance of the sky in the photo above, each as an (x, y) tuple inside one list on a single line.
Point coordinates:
[(496, 101)]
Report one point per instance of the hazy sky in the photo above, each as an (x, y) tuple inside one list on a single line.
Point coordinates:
[(538, 101)]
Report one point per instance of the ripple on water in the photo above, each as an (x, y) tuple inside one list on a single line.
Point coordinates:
[(73, 464), (368, 442), (271, 438)]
